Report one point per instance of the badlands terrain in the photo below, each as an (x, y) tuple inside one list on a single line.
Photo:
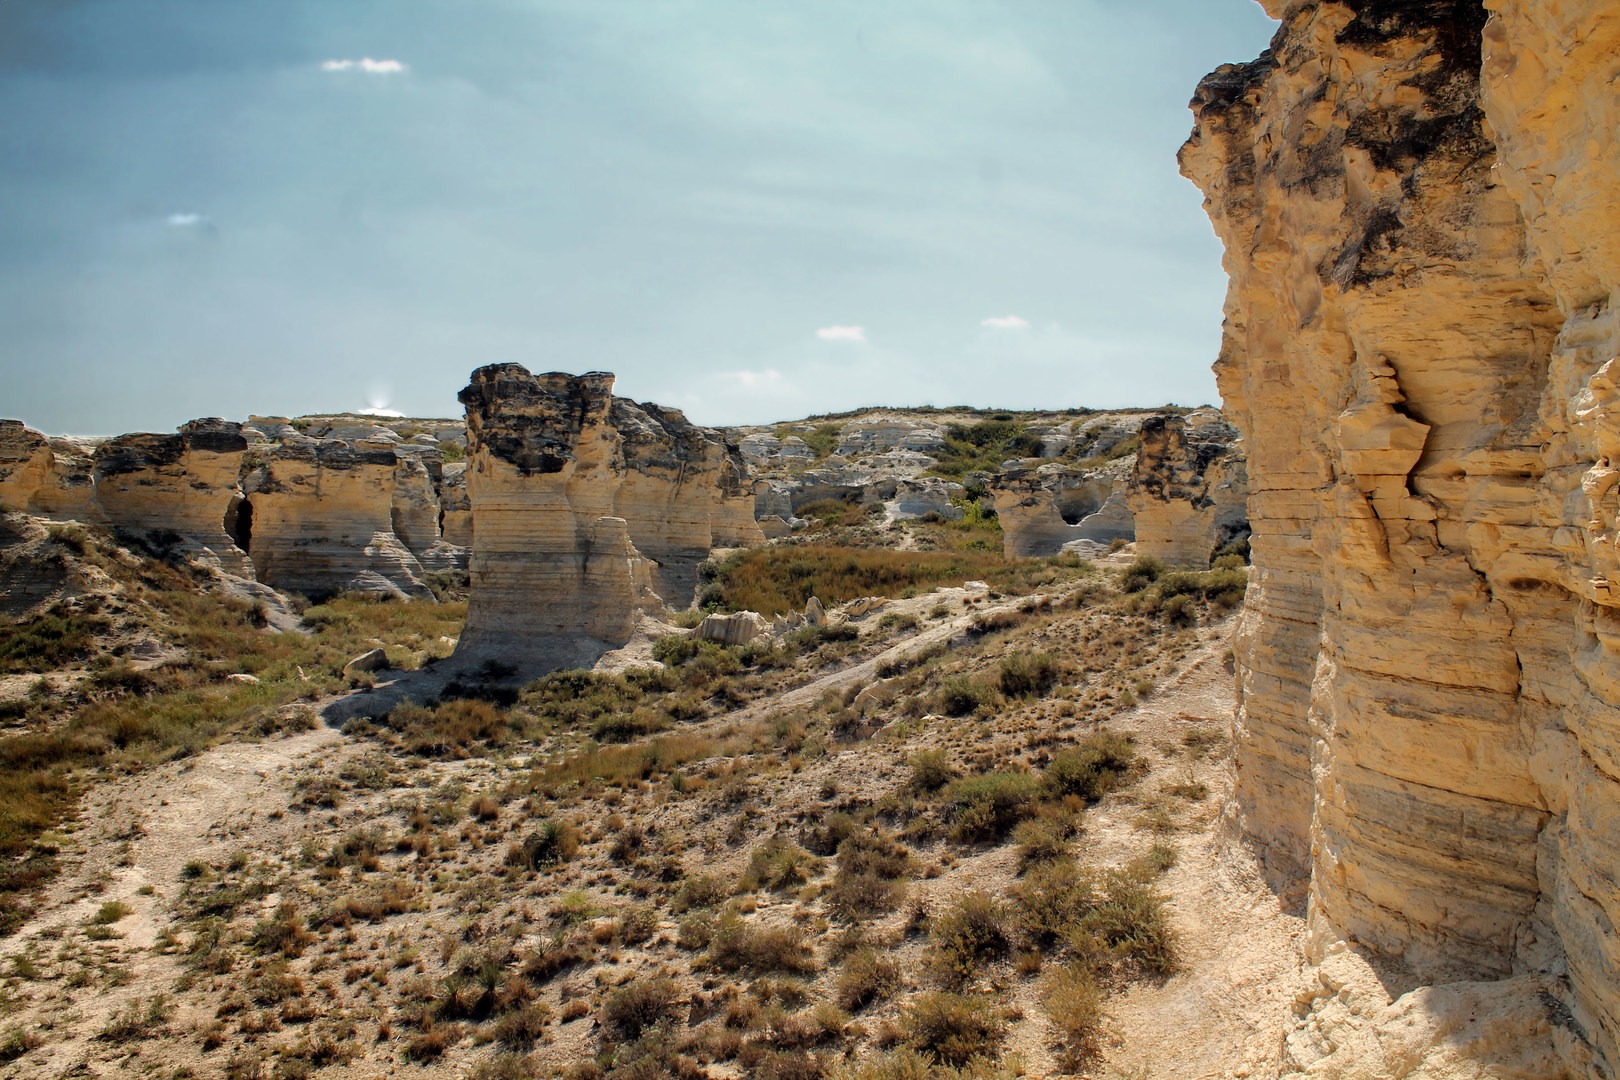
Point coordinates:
[(570, 738)]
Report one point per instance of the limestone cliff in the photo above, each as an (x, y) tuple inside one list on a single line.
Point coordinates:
[(1189, 487), (323, 519), (1044, 508), (321, 513), (1424, 267), (181, 484), (590, 510)]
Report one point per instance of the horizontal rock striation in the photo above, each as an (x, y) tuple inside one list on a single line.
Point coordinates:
[(1188, 490), (323, 520), (1421, 216), (182, 484), (1044, 508), (590, 510), (262, 500)]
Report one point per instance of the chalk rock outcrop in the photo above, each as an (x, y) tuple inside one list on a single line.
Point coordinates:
[(1045, 508), (322, 514), (183, 484), (590, 511), (323, 520), (1421, 215), (1189, 488)]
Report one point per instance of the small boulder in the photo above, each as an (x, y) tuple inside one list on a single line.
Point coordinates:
[(241, 677), (814, 613), (375, 660), (738, 628)]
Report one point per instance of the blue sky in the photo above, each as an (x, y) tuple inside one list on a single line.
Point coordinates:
[(750, 209)]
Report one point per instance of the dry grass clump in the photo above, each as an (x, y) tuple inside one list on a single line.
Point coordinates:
[(953, 1029), (975, 929), (740, 946), (867, 978), (987, 806), (932, 770), (1091, 769), (1028, 674)]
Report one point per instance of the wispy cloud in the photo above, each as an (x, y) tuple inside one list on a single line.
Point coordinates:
[(1005, 322), (185, 220), (765, 378), (366, 65), (842, 333)]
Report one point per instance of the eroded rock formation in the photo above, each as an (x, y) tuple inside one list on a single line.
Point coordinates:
[(1425, 272), (1189, 487), (316, 514), (323, 519), (591, 510), (182, 484), (1046, 508)]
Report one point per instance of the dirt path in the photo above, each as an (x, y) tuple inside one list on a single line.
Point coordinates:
[(136, 838), (1223, 1014)]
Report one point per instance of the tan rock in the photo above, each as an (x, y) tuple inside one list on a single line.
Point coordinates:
[(738, 628), (323, 520), (187, 484), (1044, 508), (374, 660), (1421, 316), (1188, 491), (585, 506)]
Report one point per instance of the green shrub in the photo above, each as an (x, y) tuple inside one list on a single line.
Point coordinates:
[(867, 978), (1072, 1001), (1141, 573), (699, 891), (638, 1007), (1029, 674), (985, 807), (550, 843), (763, 950), (675, 649), (973, 929), (960, 695), (778, 864), (1090, 770), (931, 770), (952, 1028)]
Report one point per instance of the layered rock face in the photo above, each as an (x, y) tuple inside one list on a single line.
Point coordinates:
[(1424, 267), (590, 511), (183, 483), (323, 520), (1044, 509), (1189, 487), (317, 514)]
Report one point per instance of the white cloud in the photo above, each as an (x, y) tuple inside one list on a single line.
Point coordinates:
[(185, 221), (766, 378), (842, 333), (1005, 322), (366, 65)]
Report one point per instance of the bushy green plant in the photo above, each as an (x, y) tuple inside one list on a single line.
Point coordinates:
[(987, 806), (1028, 674), (779, 864), (932, 770), (867, 978), (952, 1028), (960, 695), (551, 842), (973, 929), (1092, 769)]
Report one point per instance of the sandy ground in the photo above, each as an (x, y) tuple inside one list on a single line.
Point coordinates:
[(1223, 1015)]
